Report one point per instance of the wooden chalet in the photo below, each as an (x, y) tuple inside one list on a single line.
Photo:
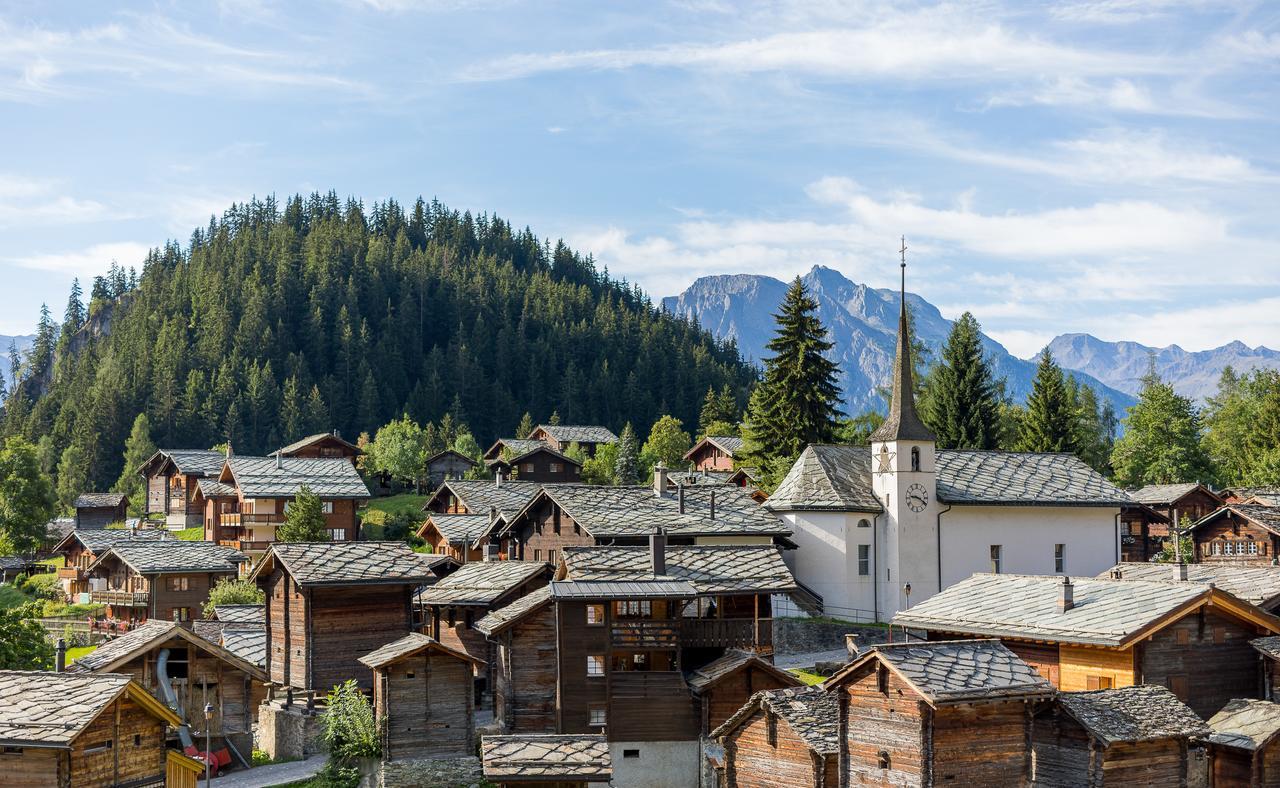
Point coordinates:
[(139, 580), (523, 668), (531, 461), (1180, 503), (722, 686), (1266, 496), (79, 549), (422, 698), (98, 510), (945, 712), (170, 476), (240, 629), (1245, 741), (561, 436), (457, 535), (251, 495), (782, 737), (1143, 532), (446, 465), (186, 672), (331, 603), (714, 453), (13, 565), (1088, 634), (546, 761), (1257, 585), (324, 445), (498, 499), (1239, 534), (73, 729)]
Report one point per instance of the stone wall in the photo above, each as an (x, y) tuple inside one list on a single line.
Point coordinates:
[(802, 636), (289, 731), (413, 772)]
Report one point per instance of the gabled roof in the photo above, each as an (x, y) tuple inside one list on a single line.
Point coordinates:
[(1245, 724), (514, 613), (478, 496), (1133, 714), (96, 500), (1257, 585), (459, 529), (811, 712), (712, 569), (725, 443), (312, 440), (1265, 517), (1112, 613), (240, 614), (542, 448), (481, 583), (12, 562), (734, 661), (189, 462), (516, 446), (676, 479), (569, 433), (159, 557), (45, 709), (212, 488), (646, 588), (97, 540), (447, 453), (1169, 494), (283, 477), (827, 477), (409, 645), (246, 641), (580, 757), (953, 671), (349, 563), (115, 653)]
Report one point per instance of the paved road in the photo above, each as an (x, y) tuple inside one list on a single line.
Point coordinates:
[(275, 774)]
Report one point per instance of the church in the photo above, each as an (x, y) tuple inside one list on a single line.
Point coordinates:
[(882, 527)]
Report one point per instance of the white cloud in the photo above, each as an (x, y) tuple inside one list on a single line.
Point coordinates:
[(1127, 11), (26, 201), (87, 263)]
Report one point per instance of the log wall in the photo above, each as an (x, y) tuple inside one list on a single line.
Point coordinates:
[(347, 622), (1205, 659), (764, 752), (124, 743), (425, 702), (980, 744), (875, 723)]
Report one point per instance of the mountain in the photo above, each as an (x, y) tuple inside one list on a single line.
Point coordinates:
[(22, 341), (863, 321), (1123, 364), (310, 314)]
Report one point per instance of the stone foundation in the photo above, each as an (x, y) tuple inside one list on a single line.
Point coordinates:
[(413, 772), (289, 731), (802, 636)]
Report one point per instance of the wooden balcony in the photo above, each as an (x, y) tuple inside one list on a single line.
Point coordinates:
[(646, 634), (744, 633), (121, 598), (72, 573), (245, 545), (237, 519)]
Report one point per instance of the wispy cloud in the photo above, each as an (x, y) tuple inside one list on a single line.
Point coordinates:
[(27, 201), (87, 263)]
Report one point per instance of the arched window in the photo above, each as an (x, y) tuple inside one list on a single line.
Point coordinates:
[(915, 458), (884, 759), (864, 523)]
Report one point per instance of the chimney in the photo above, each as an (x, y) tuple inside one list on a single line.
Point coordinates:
[(1066, 596), (1116, 573), (659, 479), (279, 461), (229, 452), (60, 656), (680, 496), (713, 504), (133, 530), (658, 552), (497, 477), (1182, 572)]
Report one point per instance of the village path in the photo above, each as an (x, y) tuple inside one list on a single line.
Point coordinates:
[(275, 774)]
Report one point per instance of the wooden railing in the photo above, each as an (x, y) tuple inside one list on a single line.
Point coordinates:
[(727, 633), (245, 544), (646, 634), (70, 573), (233, 519), (121, 598)]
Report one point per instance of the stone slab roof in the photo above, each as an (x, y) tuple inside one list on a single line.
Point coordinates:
[(725, 443), (283, 477), (481, 583), (212, 488), (148, 636), (811, 712), (1245, 724), (731, 662), (350, 563), (503, 617), (95, 500), (745, 569), (157, 557), (246, 641), (461, 529), (44, 709), (631, 511), (478, 495), (827, 477), (516, 446), (1163, 494), (546, 758), (449, 454), (191, 462), (1133, 714), (1106, 612), (568, 433), (948, 671), (240, 614), (691, 478), (98, 540), (1258, 585), (1268, 646), (311, 440), (1265, 517), (407, 646), (653, 588)]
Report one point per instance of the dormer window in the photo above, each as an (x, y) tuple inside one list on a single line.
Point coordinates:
[(915, 458)]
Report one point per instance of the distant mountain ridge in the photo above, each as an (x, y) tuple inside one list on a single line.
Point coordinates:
[(863, 321), (1123, 364), (22, 341)]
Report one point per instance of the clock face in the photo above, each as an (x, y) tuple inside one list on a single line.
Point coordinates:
[(917, 497)]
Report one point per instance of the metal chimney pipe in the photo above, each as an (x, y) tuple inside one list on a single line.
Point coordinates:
[(658, 552), (680, 495), (713, 504), (60, 656)]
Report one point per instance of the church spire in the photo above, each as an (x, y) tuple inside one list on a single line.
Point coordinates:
[(903, 423)]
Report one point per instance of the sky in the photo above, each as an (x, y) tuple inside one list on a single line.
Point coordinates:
[(1104, 166)]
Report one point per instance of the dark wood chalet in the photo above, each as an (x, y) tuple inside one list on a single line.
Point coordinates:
[(251, 496), (446, 465), (331, 603), (783, 737), (171, 662), (98, 510), (1143, 532), (546, 761), (324, 445), (1089, 634), (713, 453), (1239, 534), (79, 549), (1257, 585), (1130, 736), (422, 699), (498, 499), (523, 666), (941, 713), (1181, 503), (721, 687), (561, 436), (1245, 741), (457, 535), (541, 464), (139, 580), (170, 476), (73, 729)]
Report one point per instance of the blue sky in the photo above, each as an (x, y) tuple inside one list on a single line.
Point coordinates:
[(1108, 166)]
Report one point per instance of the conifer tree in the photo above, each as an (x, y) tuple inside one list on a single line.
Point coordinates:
[(964, 409), (73, 474), (718, 410), (1048, 424), (41, 354), (74, 317), (304, 522), (525, 426), (138, 448), (1162, 439), (627, 467)]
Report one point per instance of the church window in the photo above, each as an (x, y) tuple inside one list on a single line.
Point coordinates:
[(996, 551), (864, 523), (1059, 558), (915, 458), (864, 559)]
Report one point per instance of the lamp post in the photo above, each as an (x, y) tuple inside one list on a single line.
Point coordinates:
[(208, 746)]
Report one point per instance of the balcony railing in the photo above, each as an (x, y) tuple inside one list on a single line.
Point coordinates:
[(244, 545), (646, 634), (234, 519), (73, 573), (745, 633), (121, 598)]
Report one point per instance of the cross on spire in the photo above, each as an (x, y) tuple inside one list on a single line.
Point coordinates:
[(902, 422)]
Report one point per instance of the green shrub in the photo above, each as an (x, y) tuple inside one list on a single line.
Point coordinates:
[(45, 586), (233, 591), (349, 729)]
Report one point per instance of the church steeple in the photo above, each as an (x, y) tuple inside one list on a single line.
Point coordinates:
[(903, 423)]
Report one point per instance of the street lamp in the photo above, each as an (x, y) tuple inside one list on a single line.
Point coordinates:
[(208, 746)]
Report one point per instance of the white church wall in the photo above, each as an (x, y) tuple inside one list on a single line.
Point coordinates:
[(826, 560)]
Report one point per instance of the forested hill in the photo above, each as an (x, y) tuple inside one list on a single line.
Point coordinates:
[(283, 320)]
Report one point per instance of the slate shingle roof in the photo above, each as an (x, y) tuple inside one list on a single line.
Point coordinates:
[(537, 757), (145, 637), (733, 661), (157, 557), (95, 500), (461, 529), (1166, 494), (480, 583), (1268, 646), (1257, 585), (350, 563), (1106, 612), (212, 488), (957, 670), (711, 569), (649, 588), (503, 617), (1245, 724), (407, 646), (246, 641), (195, 462), (240, 614), (16, 562), (568, 433), (811, 712), (691, 478), (47, 709), (312, 439), (97, 540), (827, 477), (1265, 517), (630, 511), (478, 496), (1133, 714), (271, 477), (516, 446)]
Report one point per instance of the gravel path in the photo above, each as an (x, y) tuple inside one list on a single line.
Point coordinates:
[(275, 774)]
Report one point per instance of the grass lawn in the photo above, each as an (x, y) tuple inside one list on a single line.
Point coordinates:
[(807, 677), (191, 534), (79, 651), (56, 562), (11, 597), (379, 509)]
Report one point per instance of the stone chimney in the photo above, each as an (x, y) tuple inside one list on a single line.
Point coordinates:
[(1182, 571), (497, 477), (713, 504), (659, 479), (658, 552), (60, 656), (680, 496), (1116, 573), (1066, 595), (279, 461)]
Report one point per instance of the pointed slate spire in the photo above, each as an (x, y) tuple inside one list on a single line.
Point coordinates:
[(903, 423)]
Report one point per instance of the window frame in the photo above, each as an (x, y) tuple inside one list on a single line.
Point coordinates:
[(864, 560), (596, 668), (1059, 558), (996, 552)]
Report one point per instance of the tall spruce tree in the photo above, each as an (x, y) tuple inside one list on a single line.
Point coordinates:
[(626, 469), (138, 448), (1048, 424), (963, 396)]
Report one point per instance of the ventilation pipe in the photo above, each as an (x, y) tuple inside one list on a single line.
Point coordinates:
[(680, 496), (713, 504), (171, 697), (497, 477), (60, 656)]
